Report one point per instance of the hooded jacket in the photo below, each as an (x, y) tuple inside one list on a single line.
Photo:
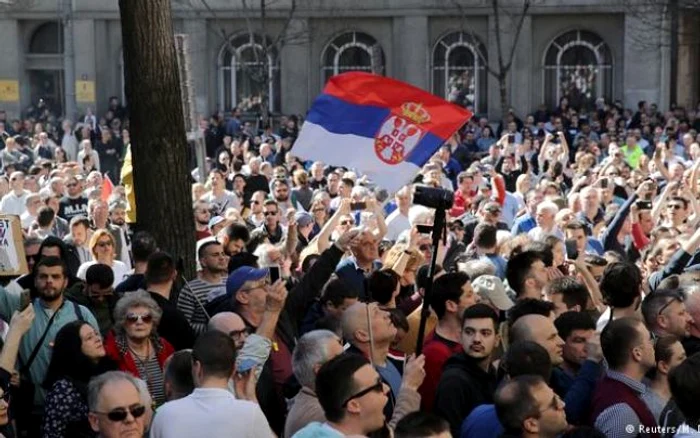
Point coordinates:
[(464, 385)]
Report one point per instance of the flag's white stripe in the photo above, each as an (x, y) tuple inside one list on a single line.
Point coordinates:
[(353, 151)]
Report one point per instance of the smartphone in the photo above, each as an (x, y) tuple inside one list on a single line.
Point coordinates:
[(604, 183), (358, 205), (424, 229), (24, 299), (274, 274), (245, 365), (511, 138), (571, 249), (644, 205)]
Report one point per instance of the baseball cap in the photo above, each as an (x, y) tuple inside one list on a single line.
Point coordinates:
[(491, 288), (237, 278), (216, 220), (303, 218)]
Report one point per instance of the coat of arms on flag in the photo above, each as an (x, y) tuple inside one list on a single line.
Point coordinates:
[(378, 126)]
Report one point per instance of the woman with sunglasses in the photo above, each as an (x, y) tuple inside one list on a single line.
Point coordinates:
[(134, 342), (102, 248), (78, 355)]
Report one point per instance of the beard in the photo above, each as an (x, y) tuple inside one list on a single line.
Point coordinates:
[(50, 294), (119, 222)]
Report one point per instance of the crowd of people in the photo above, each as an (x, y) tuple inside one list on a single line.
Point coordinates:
[(565, 299)]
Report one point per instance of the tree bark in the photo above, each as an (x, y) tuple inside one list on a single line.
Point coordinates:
[(158, 140)]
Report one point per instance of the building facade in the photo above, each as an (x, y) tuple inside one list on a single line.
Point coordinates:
[(580, 49)]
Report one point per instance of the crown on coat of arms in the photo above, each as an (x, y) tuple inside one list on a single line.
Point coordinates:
[(415, 112)]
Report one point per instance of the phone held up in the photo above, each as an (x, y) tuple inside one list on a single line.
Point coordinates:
[(24, 299), (274, 274)]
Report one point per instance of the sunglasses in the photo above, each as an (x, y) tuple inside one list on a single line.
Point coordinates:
[(6, 396), (377, 387), (424, 247), (119, 414), (104, 244), (270, 213), (133, 318), (347, 223)]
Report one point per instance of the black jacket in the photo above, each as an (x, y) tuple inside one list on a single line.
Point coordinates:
[(463, 386)]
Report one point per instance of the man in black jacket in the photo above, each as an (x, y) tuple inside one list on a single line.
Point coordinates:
[(468, 379)]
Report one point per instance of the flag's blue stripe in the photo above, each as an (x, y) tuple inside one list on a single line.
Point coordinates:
[(425, 149), (340, 117)]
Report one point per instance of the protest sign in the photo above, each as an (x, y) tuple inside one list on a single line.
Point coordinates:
[(12, 258)]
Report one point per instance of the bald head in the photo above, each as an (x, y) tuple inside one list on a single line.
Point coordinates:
[(356, 330), (541, 330), (228, 323), (354, 319)]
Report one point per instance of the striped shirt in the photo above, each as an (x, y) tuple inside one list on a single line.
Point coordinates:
[(151, 373), (191, 308)]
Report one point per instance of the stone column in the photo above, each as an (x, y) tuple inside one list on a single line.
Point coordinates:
[(644, 75), (11, 53), (200, 65), (295, 65), (411, 50), (85, 69)]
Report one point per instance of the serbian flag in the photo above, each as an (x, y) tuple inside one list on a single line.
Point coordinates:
[(378, 126)]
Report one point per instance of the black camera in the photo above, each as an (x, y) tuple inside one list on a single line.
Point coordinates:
[(433, 198)]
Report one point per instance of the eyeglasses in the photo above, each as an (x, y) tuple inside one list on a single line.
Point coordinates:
[(6, 396), (119, 414), (665, 306), (347, 223), (424, 247), (238, 334), (104, 243), (377, 387), (270, 213), (133, 318)]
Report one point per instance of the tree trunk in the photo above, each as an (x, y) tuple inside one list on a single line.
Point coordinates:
[(158, 141), (503, 91)]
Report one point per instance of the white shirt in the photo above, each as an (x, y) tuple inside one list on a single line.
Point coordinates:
[(27, 220), (121, 271), (13, 204), (211, 413), (396, 223)]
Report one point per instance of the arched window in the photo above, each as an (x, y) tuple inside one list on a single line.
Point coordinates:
[(47, 39), (352, 51), (458, 72), (578, 65), (246, 77)]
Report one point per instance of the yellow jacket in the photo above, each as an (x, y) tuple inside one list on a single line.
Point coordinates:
[(127, 177)]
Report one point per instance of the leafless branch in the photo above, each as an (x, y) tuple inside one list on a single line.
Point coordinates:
[(474, 39), (516, 35)]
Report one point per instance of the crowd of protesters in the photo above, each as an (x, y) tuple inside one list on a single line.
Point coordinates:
[(565, 302)]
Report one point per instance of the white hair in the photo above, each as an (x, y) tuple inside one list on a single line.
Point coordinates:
[(311, 350), (549, 207), (262, 252), (420, 215)]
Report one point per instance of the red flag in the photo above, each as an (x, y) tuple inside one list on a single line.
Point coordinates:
[(107, 187)]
